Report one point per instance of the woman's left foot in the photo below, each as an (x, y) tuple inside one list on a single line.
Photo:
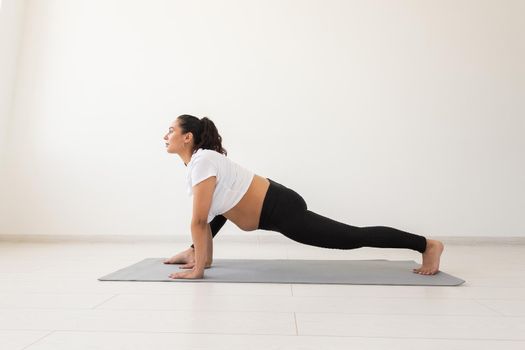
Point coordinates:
[(431, 258)]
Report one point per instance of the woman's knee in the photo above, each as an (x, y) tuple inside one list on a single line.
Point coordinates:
[(298, 202), (301, 203)]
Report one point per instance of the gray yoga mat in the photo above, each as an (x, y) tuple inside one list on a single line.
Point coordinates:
[(380, 271)]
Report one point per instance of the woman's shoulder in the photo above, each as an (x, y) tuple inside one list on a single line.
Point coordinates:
[(208, 153), (205, 155)]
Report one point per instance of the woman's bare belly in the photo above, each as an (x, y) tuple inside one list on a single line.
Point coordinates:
[(247, 212)]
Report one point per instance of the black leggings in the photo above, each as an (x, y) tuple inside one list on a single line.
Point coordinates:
[(285, 211)]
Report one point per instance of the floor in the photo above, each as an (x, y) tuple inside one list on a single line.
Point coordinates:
[(50, 299)]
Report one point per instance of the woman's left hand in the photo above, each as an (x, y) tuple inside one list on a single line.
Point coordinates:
[(192, 274)]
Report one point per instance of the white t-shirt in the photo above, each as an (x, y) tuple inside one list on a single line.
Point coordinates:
[(233, 180)]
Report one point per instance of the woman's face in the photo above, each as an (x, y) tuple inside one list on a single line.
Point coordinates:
[(174, 139)]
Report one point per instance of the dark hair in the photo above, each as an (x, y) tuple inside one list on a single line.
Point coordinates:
[(205, 134)]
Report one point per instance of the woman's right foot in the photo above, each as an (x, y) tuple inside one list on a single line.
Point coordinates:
[(431, 258), (185, 257)]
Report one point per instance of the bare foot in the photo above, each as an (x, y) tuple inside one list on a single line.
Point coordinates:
[(431, 258), (184, 257)]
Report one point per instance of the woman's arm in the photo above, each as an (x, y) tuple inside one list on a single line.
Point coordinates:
[(209, 255), (202, 239), (200, 232), (215, 225)]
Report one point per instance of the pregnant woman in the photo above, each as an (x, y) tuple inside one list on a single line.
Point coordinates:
[(224, 190)]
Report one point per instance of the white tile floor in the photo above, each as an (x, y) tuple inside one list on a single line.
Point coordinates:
[(50, 298)]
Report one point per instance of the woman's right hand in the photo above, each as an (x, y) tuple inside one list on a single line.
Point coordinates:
[(185, 257)]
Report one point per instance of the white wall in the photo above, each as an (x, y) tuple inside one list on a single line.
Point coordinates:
[(401, 113), (11, 21)]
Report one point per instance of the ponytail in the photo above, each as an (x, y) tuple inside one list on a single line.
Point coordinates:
[(205, 134)]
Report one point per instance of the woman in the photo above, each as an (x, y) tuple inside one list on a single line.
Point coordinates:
[(224, 190)]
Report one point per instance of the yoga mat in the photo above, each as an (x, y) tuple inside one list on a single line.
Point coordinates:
[(380, 271)]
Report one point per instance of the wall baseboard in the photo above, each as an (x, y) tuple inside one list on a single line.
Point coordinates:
[(229, 237)]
